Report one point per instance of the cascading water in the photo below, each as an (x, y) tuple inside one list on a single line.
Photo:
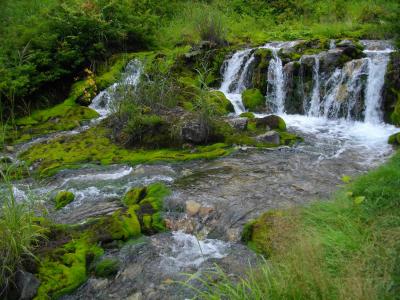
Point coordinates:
[(315, 96), (101, 103), (335, 100), (276, 80), (234, 78)]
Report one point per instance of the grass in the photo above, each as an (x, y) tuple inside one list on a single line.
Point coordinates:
[(19, 232), (346, 248)]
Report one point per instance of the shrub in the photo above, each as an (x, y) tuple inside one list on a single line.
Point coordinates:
[(211, 28), (63, 198)]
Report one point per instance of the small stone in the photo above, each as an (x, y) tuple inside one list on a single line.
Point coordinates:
[(192, 207), (205, 211), (345, 43), (27, 284), (271, 137), (9, 148)]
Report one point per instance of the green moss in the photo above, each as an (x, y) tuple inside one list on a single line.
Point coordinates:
[(134, 196), (219, 103), (148, 204), (394, 139), (106, 268), (94, 146), (257, 233), (253, 100), (65, 269), (63, 198), (289, 139), (395, 116), (248, 115)]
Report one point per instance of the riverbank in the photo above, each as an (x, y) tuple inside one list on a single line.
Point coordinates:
[(346, 248)]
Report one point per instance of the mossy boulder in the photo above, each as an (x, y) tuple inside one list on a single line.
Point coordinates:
[(65, 268), (63, 198), (106, 268), (272, 122), (258, 233), (219, 103), (253, 100), (248, 115), (395, 139)]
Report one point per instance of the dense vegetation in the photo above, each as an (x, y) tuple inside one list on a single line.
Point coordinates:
[(347, 248), (46, 44)]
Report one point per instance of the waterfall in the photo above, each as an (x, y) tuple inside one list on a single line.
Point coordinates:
[(234, 78), (377, 63), (276, 80), (353, 92), (102, 102), (314, 110)]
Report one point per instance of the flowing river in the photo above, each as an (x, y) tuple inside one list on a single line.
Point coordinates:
[(338, 141)]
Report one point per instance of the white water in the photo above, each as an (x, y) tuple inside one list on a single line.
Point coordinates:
[(335, 98), (187, 251), (130, 78), (315, 96), (276, 80), (234, 75)]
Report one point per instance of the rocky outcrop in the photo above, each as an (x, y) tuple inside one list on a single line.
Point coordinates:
[(270, 137), (391, 90), (194, 131), (238, 123)]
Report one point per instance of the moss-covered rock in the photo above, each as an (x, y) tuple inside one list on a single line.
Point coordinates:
[(253, 100), (63, 198), (219, 103), (394, 139), (272, 122), (257, 233), (106, 268), (247, 114), (262, 58), (65, 269)]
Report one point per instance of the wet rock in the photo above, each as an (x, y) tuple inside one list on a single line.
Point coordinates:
[(271, 137), (272, 122), (194, 132), (192, 207), (238, 123), (9, 148), (205, 211), (395, 139), (135, 296), (27, 284), (345, 43)]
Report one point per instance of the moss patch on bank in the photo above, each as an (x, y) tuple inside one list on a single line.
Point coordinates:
[(95, 147), (72, 251)]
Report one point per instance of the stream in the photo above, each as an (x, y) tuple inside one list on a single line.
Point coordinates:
[(230, 190)]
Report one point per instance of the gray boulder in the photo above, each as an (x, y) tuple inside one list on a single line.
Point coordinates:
[(238, 123), (194, 132), (27, 284)]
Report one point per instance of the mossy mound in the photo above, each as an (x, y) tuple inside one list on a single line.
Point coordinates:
[(219, 103), (253, 100), (248, 115), (65, 268), (106, 268), (147, 203), (257, 234), (395, 116), (95, 146), (63, 198), (394, 139)]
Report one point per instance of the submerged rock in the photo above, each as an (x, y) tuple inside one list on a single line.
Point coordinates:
[(192, 207)]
